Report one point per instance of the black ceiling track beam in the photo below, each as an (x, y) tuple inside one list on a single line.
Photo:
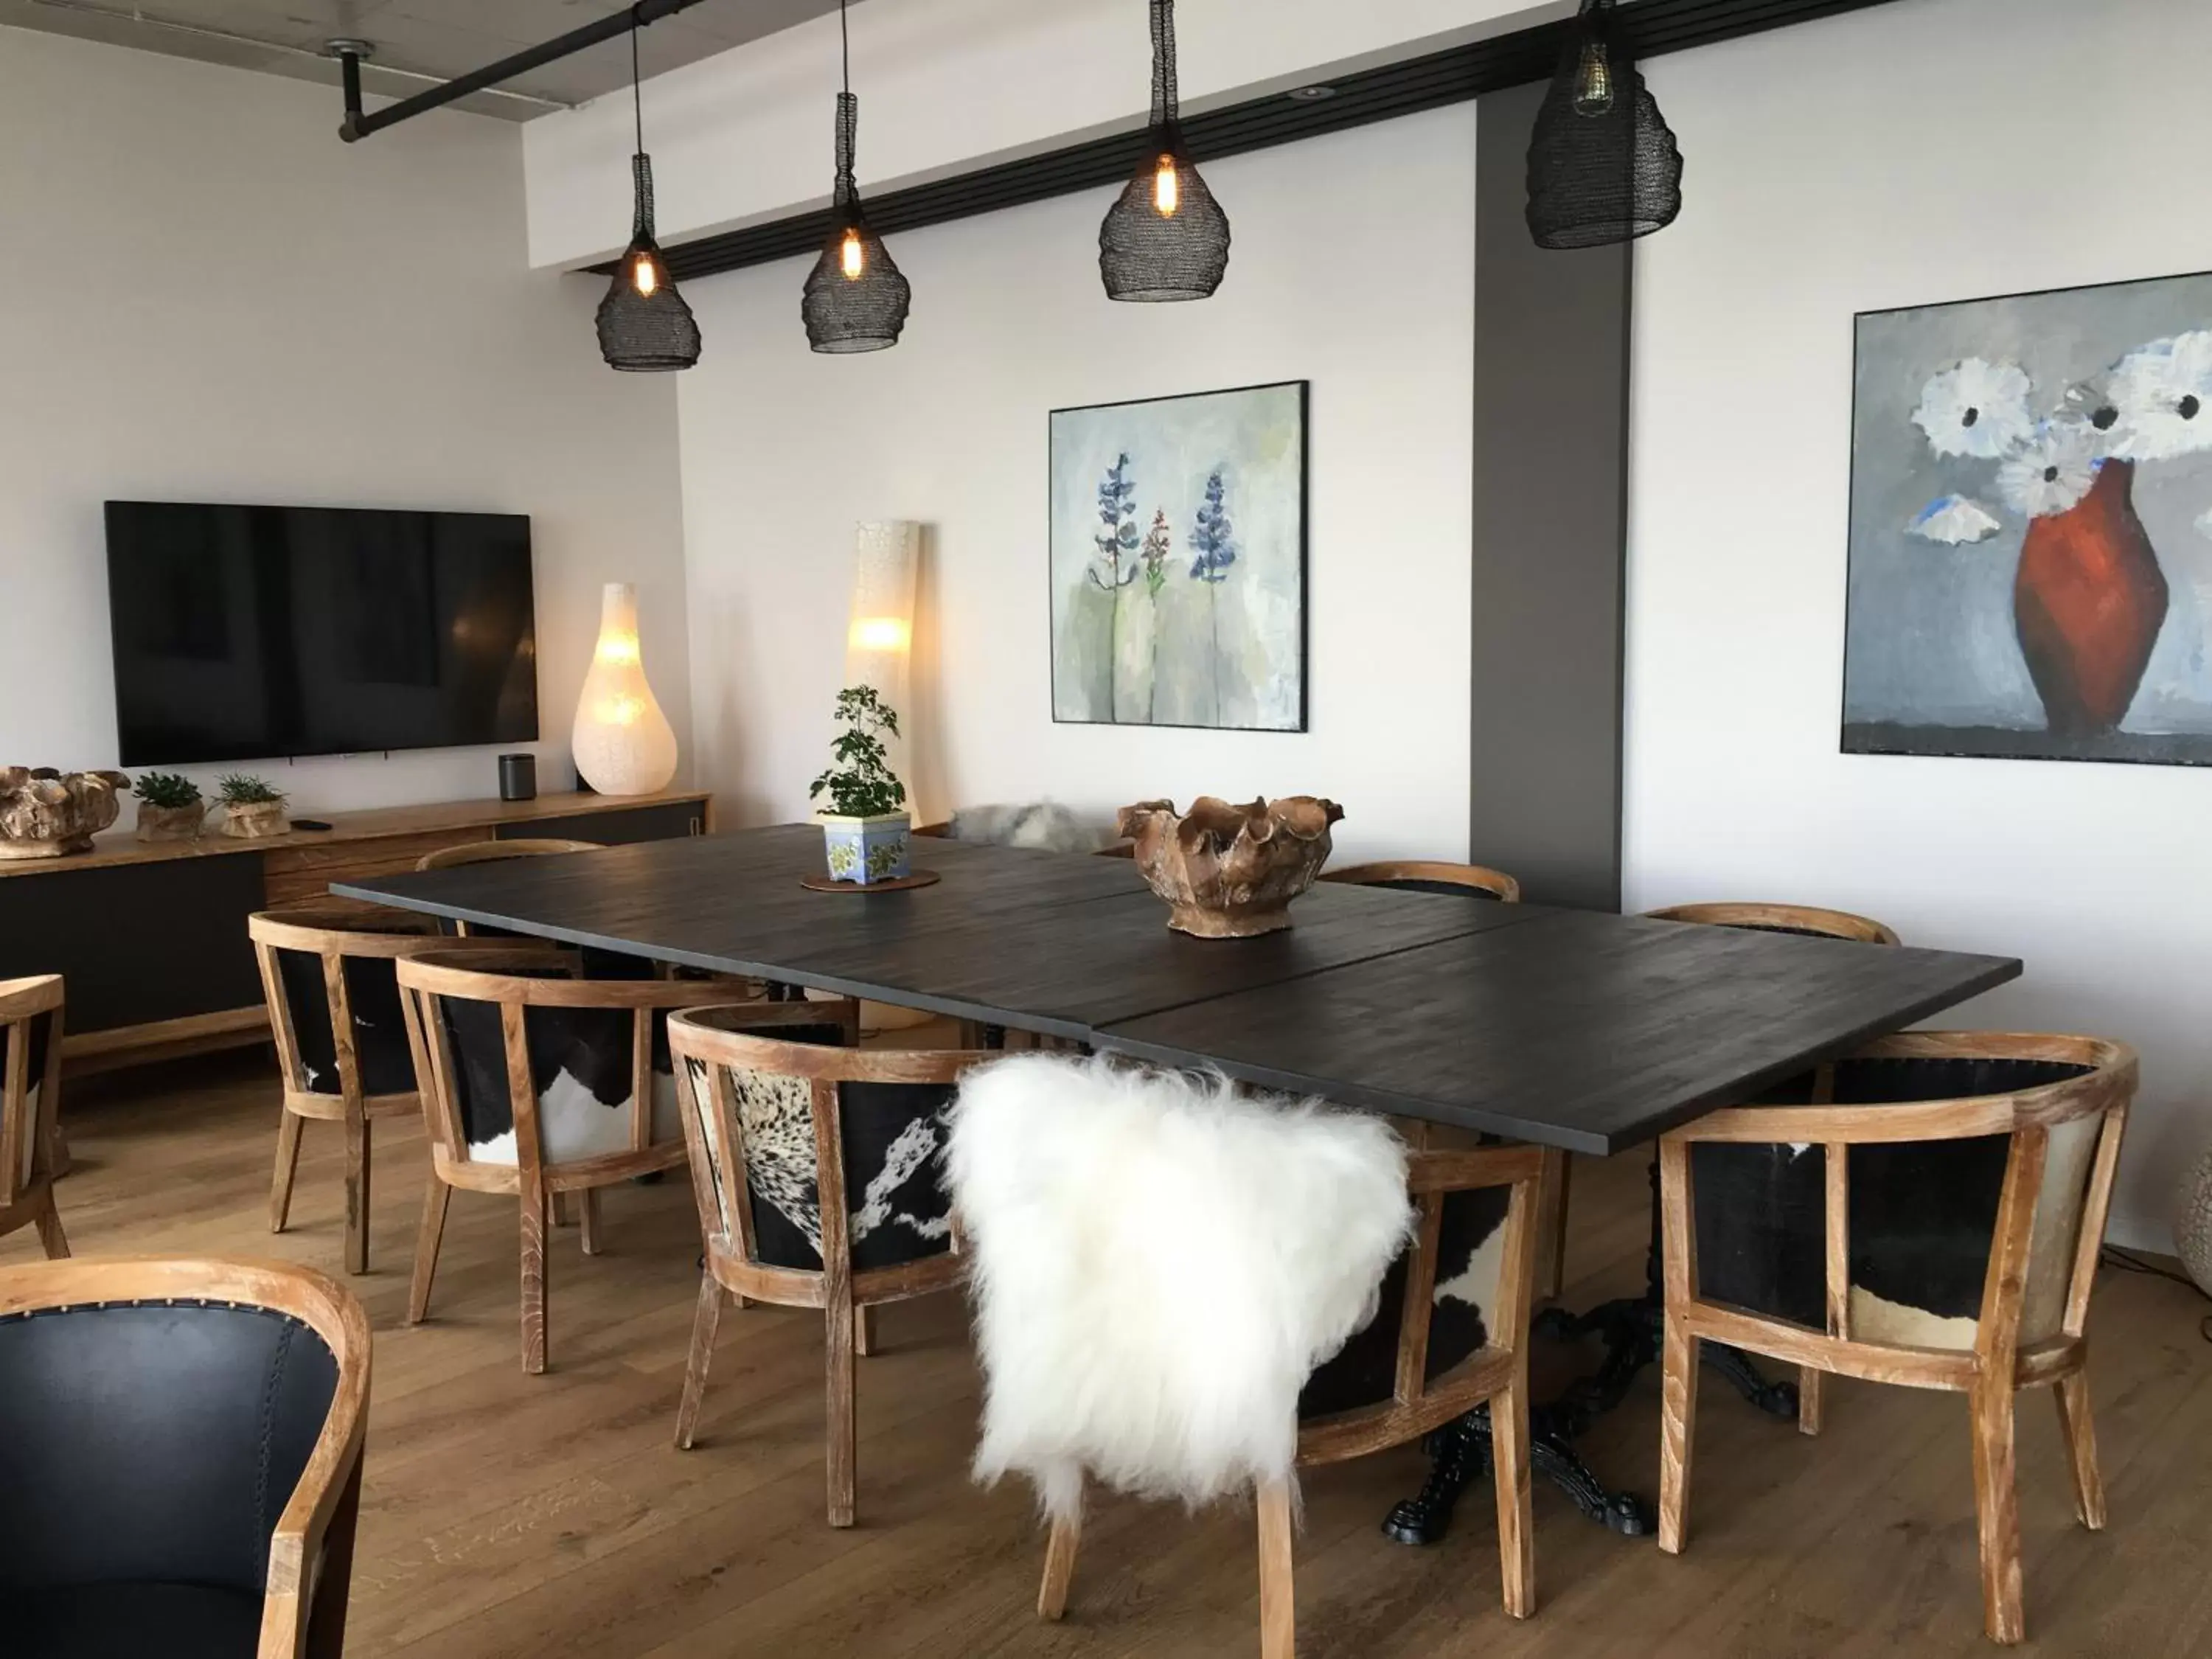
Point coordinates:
[(359, 125), (1357, 99)]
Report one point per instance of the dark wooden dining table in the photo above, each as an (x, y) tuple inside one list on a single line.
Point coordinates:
[(1569, 1029)]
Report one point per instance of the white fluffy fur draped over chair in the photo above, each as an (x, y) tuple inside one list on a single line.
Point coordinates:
[(1159, 1262)]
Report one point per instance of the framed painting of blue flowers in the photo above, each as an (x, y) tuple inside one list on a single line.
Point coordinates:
[(2031, 533), (1178, 561)]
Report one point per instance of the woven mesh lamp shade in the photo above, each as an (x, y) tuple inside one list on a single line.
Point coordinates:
[(856, 297), (1166, 238), (644, 324), (1603, 165)]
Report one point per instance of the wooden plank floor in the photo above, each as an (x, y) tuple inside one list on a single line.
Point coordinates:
[(511, 1515)]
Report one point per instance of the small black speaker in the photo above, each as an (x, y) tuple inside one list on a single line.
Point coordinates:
[(517, 777)]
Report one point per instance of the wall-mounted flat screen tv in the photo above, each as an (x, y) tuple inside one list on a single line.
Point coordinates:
[(256, 633)]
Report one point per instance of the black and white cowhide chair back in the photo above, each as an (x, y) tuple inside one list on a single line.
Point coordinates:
[(1921, 1214), (360, 949), (601, 1078), (756, 1095)]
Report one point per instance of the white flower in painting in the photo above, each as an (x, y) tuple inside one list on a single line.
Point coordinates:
[(1953, 521), (1975, 408), (2163, 393), (2052, 471)]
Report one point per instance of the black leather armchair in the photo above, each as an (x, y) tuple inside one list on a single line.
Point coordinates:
[(179, 1459)]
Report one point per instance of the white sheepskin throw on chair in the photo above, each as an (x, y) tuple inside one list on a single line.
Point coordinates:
[(1158, 1264)]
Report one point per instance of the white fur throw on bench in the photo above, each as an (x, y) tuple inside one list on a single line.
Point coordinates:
[(1158, 1264)]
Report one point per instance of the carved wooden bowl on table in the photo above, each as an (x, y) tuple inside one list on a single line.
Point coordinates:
[(1230, 871), (46, 814)]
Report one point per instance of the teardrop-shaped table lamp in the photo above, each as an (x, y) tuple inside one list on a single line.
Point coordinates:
[(622, 742)]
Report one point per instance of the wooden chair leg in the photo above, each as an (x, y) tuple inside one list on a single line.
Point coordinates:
[(864, 1331), (706, 1322), (841, 1428), (1812, 1399), (1997, 1508), (1058, 1567), (51, 1236), (58, 1151), (2073, 1396), (356, 1195), (1554, 1280), (534, 1210), (587, 1204), (564, 1209), (1278, 1635), (288, 1165), (1516, 1536), (436, 1197), (1677, 1413)]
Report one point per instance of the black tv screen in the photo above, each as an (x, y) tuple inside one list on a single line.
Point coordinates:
[(253, 633)]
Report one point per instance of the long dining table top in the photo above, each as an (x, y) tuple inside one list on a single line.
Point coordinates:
[(1568, 1027)]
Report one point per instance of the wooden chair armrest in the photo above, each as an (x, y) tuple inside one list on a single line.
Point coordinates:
[(1873, 1125)]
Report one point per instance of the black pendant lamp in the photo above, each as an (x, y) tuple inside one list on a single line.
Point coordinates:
[(1166, 238), (644, 324), (1603, 165), (856, 296)]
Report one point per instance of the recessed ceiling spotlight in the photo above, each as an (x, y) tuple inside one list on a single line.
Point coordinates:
[(1312, 95)]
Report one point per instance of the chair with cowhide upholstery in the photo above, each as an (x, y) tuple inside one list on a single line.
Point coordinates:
[(1753, 1172), (341, 1044), (30, 1096), (1186, 1291), (1928, 1211), (1431, 876), (817, 1167), (179, 1459), (537, 1081)]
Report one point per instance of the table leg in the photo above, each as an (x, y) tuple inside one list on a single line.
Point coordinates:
[(1630, 1330)]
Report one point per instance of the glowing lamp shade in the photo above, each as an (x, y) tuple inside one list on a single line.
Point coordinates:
[(622, 742), (879, 639)]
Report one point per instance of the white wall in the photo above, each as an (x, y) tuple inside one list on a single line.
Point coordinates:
[(209, 297), (784, 450), (747, 135), (1928, 150)]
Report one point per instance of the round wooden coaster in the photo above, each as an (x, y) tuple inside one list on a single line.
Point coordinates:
[(830, 884)]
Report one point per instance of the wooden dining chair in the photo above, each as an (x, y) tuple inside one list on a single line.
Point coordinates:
[(1952, 1189), (1753, 1173), (1431, 876), (815, 1166), (30, 1101), (180, 1458), (498, 852), (537, 1081), (341, 1050)]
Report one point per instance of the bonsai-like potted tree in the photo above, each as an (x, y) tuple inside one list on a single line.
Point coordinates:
[(253, 807), (170, 806), (865, 830)]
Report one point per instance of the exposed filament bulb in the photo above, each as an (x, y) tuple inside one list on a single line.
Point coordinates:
[(1594, 80), (645, 275), (1167, 188), (855, 256)]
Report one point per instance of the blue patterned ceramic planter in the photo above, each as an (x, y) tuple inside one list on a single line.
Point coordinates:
[(864, 851)]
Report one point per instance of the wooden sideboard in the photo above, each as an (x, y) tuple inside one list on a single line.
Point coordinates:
[(151, 935)]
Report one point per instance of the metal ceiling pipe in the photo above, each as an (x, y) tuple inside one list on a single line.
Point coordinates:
[(358, 124)]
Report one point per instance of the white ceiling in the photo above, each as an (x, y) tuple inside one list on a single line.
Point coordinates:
[(437, 38)]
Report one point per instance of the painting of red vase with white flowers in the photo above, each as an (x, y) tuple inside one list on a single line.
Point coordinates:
[(2031, 528)]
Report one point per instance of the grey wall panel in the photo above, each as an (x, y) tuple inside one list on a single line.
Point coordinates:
[(1551, 489)]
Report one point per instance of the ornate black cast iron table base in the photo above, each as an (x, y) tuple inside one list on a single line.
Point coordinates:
[(1631, 1329)]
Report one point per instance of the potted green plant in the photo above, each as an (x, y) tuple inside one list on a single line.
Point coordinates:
[(170, 806), (253, 807), (865, 830)]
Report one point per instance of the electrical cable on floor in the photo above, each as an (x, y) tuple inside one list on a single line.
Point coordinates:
[(2113, 1256)]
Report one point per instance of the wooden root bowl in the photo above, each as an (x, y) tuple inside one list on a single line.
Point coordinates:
[(46, 814), (1230, 871)]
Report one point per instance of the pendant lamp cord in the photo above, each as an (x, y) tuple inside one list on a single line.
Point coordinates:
[(636, 97), (845, 44)]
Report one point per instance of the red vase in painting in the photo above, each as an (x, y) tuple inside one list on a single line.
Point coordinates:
[(2088, 602)]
